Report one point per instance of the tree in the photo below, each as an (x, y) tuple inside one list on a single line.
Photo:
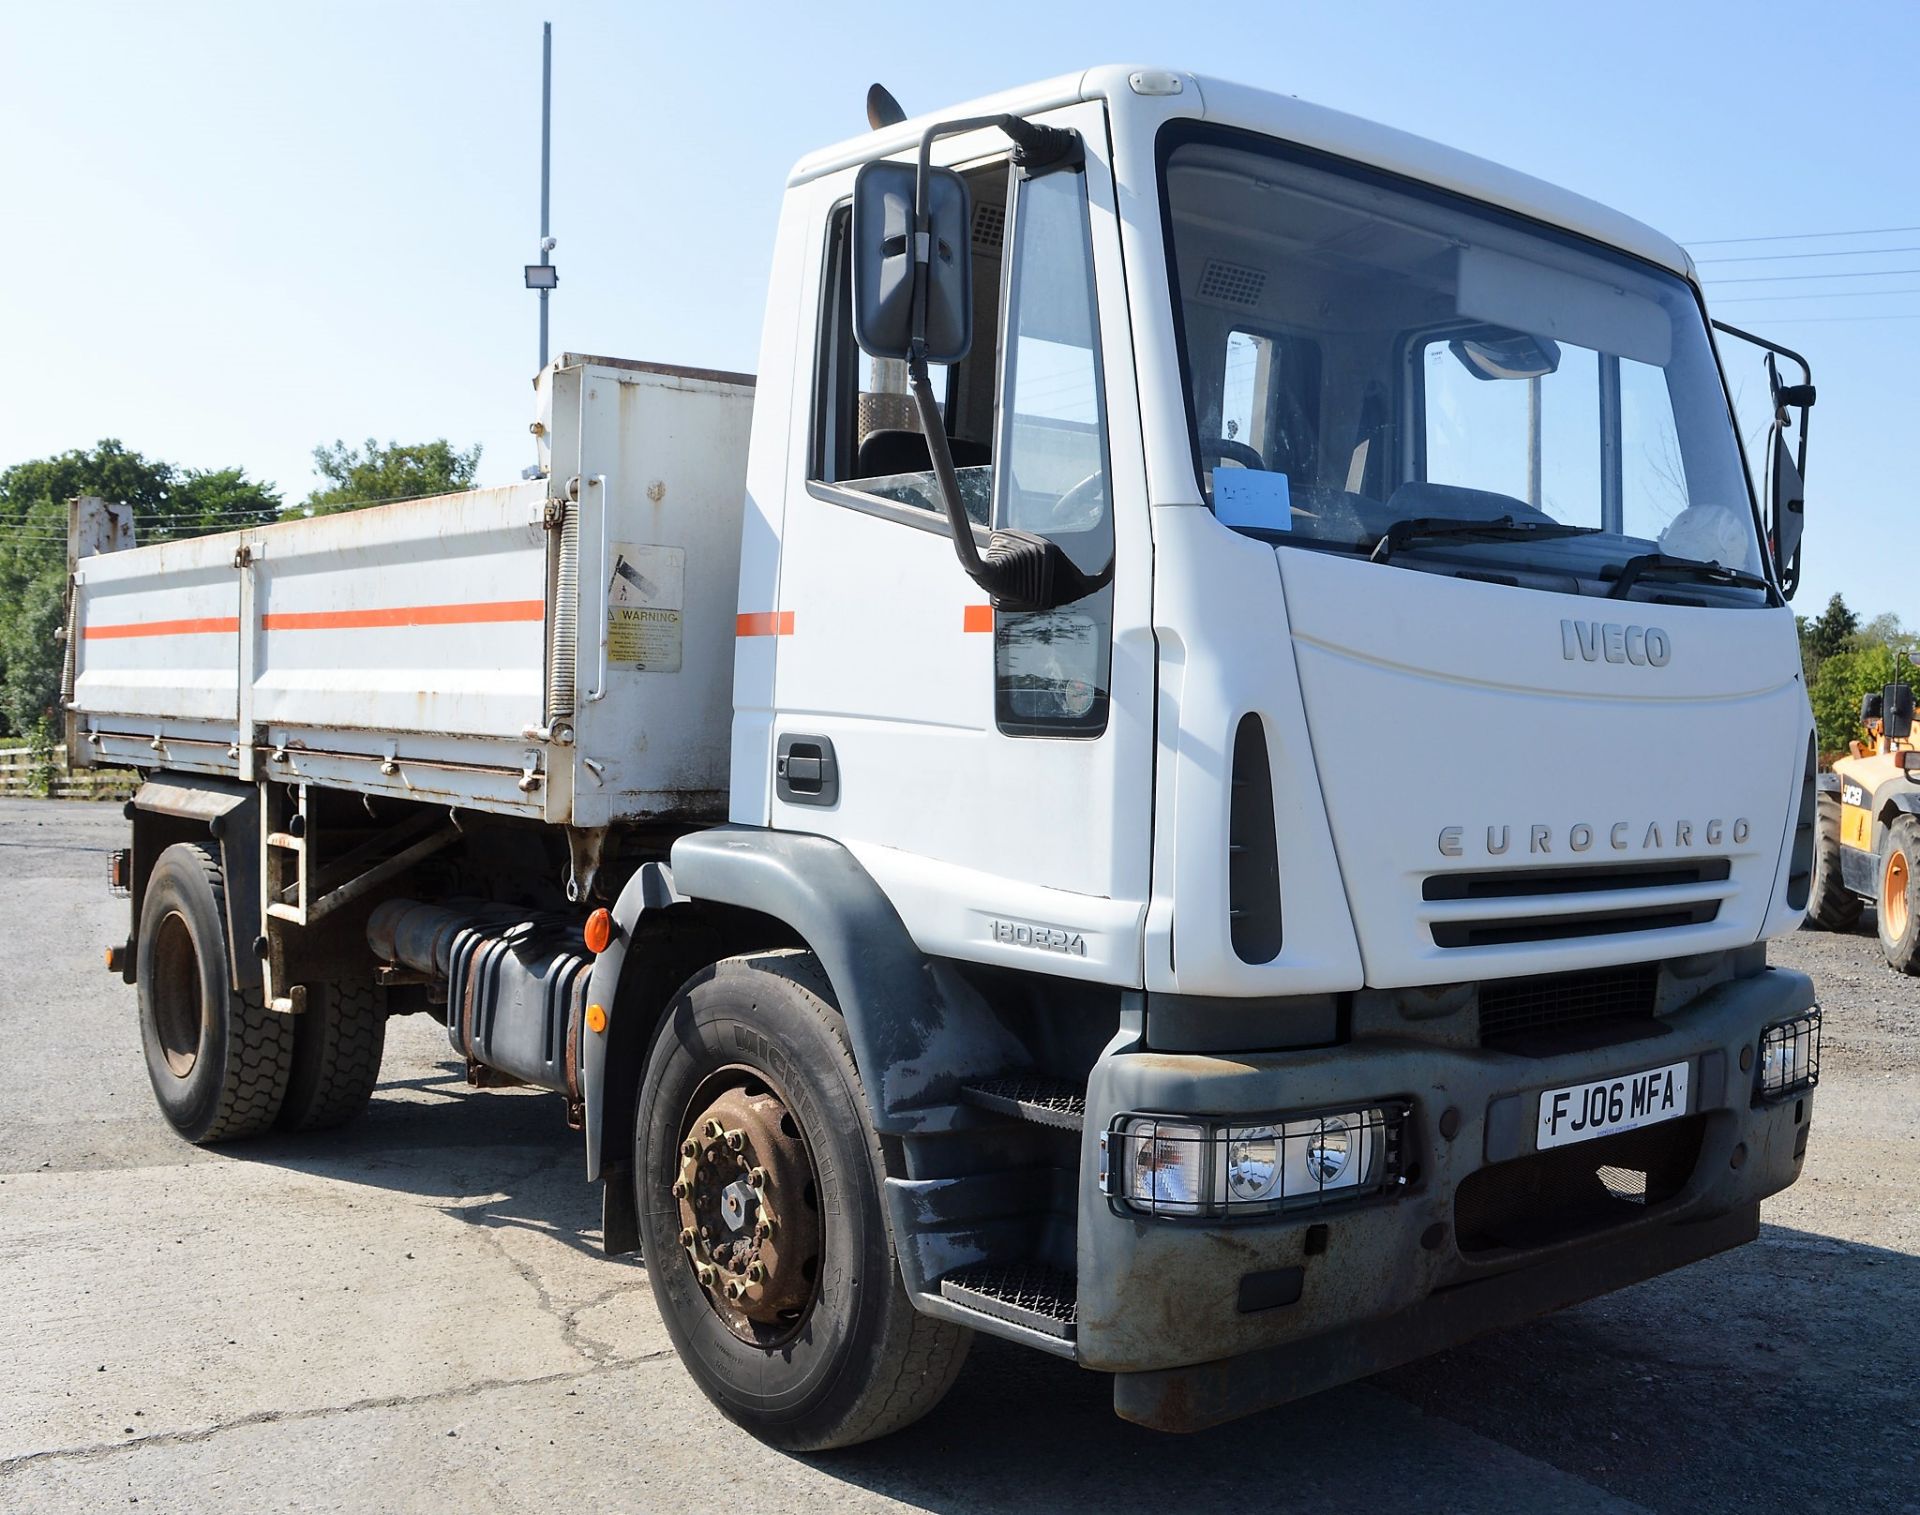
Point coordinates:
[(1828, 633), (167, 502), (1844, 678), (392, 472)]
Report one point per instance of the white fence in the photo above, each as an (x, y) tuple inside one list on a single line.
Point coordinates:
[(23, 771)]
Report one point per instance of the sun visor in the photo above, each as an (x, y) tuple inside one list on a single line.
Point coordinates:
[(1548, 302)]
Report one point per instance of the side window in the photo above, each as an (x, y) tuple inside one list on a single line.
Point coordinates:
[(867, 436), (1051, 668)]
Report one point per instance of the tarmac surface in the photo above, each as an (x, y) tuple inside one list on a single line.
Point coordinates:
[(412, 1313)]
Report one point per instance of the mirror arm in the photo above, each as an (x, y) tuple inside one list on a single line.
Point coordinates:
[(1020, 569)]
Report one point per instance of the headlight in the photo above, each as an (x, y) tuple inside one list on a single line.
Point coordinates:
[(1175, 1166), (1790, 1056)]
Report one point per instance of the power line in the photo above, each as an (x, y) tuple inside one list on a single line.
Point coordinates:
[(1823, 320), (1825, 294), (1847, 252), (1865, 273), (1802, 236)]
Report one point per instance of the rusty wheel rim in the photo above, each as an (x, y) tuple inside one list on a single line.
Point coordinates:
[(749, 1207), (1893, 893), (174, 987)]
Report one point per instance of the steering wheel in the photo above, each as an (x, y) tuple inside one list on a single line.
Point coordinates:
[(1221, 450), (1072, 511)]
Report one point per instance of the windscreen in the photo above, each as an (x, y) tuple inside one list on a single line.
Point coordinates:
[(1390, 371)]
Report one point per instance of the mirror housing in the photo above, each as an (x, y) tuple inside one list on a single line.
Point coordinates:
[(1786, 504), (883, 262), (1896, 712)]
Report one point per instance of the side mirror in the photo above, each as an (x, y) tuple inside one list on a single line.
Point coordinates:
[(883, 263), (1870, 707), (1896, 712), (1787, 504)]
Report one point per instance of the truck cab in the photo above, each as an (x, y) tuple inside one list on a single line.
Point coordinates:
[(1420, 554)]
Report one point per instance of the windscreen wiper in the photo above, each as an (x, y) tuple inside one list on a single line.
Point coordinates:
[(1660, 564), (1495, 529)]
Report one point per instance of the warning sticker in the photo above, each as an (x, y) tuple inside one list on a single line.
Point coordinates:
[(645, 595)]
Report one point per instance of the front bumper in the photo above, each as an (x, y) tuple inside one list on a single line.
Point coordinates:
[(1205, 1319)]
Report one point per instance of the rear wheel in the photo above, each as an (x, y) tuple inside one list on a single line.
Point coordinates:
[(1900, 893), (216, 1056), (1831, 905), (757, 1177), (337, 1042)]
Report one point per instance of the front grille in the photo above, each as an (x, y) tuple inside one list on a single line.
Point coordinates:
[(1516, 1011), (1612, 886), (1567, 1192)]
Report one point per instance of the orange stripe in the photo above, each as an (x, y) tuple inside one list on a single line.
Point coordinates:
[(193, 627), (478, 613), (764, 623), (976, 618)]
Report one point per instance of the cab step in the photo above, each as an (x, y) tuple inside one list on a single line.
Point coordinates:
[(1030, 1294), (1030, 1096)]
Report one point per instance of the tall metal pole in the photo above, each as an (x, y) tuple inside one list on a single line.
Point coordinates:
[(546, 166)]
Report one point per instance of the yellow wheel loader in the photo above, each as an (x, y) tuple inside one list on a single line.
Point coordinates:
[(1868, 847)]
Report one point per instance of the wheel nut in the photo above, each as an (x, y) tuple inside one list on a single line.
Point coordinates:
[(686, 1237), (736, 1290), (756, 1272), (758, 1178), (706, 1275), (689, 1148), (764, 1229), (715, 1130), (736, 1140), (679, 1188)]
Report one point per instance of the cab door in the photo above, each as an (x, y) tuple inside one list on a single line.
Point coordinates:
[(992, 771)]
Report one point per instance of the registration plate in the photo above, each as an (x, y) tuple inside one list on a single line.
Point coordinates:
[(1581, 1112)]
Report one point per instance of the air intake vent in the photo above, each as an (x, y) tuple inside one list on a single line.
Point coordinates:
[(989, 228), (1550, 904), (1800, 864), (1517, 1010), (1253, 857), (1231, 283)]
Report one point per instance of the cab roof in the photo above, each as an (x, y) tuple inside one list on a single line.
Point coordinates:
[(1289, 119)]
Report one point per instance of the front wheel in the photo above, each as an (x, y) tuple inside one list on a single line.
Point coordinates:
[(1899, 910), (1831, 905), (757, 1177)]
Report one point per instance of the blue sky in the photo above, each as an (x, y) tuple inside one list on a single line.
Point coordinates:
[(230, 232)]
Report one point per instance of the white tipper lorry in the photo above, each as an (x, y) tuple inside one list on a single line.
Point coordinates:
[(1195, 774)]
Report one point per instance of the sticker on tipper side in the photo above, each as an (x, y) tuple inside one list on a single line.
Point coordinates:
[(646, 592)]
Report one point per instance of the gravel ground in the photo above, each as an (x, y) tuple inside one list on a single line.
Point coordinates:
[(411, 1314)]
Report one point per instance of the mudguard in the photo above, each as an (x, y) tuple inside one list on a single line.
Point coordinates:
[(231, 814)]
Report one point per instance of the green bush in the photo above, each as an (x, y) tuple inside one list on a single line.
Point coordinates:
[(1844, 678)]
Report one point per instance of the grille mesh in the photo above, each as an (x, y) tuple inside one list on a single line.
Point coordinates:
[(1232, 283), (1518, 1008)]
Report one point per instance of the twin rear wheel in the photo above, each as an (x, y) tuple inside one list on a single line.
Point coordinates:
[(223, 1065), (758, 1185)]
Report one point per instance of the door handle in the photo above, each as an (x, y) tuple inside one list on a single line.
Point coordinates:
[(805, 771)]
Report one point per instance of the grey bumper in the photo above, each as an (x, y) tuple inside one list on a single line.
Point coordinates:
[(1384, 1280)]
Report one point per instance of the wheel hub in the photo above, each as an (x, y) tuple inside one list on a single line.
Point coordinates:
[(749, 1221), (1893, 893)]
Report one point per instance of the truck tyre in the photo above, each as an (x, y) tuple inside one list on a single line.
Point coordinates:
[(216, 1056), (1899, 910), (337, 1042), (1831, 905), (758, 1187)]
